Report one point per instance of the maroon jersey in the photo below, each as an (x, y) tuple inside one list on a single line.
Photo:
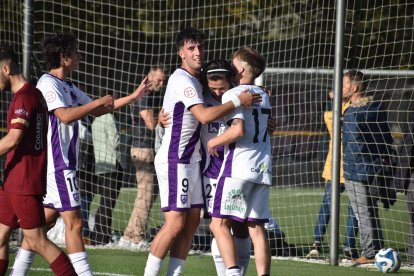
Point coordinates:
[(25, 166)]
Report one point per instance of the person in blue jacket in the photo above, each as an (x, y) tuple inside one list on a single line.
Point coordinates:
[(366, 141)]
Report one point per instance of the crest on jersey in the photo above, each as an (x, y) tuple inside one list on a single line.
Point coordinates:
[(213, 127), (50, 96), (184, 199), (189, 92), (76, 196)]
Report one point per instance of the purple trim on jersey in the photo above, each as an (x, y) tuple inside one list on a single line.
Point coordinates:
[(226, 173), (229, 161), (51, 206), (168, 208), (189, 148), (72, 146), (258, 220), (57, 154), (228, 217), (217, 197), (213, 169), (178, 115), (172, 186), (63, 193)]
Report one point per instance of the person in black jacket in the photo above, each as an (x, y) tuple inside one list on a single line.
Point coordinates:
[(404, 178)]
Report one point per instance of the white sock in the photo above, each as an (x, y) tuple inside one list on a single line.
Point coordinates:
[(80, 263), (153, 266), (218, 260), (243, 247), (22, 262), (175, 267), (233, 272)]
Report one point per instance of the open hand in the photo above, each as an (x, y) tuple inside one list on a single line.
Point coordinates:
[(248, 99), (143, 89)]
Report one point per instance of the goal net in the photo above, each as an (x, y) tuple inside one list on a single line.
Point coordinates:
[(120, 40)]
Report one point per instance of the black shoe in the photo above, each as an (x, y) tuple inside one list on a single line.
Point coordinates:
[(351, 254)]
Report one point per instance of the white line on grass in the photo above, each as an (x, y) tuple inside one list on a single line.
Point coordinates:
[(94, 273)]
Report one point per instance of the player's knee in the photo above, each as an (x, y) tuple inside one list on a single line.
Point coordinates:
[(36, 242), (174, 229), (215, 226), (74, 225)]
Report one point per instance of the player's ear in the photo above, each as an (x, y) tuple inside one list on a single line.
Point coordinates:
[(181, 54), (6, 69)]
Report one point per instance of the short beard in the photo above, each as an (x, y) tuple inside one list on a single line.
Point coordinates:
[(6, 86)]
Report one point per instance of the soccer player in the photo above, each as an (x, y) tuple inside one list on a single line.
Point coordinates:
[(67, 104), (25, 168), (217, 79), (243, 194), (177, 161)]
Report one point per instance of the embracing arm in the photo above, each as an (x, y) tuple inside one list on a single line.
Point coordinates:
[(208, 114), (11, 140), (233, 133)]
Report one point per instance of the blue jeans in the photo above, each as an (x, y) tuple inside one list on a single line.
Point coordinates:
[(325, 214)]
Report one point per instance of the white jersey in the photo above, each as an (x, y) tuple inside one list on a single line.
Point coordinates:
[(252, 152), (211, 165), (181, 141), (63, 140)]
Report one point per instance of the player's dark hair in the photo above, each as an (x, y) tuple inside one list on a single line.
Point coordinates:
[(356, 77), (55, 45), (255, 61), (8, 55), (190, 35), (219, 69)]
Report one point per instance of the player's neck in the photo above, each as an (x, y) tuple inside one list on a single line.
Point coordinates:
[(246, 80), (17, 82), (60, 73), (194, 72)]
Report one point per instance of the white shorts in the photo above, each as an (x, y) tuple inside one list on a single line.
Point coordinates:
[(62, 192), (241, 200), (180, 186)]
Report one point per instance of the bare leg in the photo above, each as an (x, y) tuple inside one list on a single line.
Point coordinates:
[(261, 248), (221, 230), (182, 243), (163, 241), (5, 232), (73, 231)]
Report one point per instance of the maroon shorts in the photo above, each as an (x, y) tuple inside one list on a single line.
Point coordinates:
[(25, 211)]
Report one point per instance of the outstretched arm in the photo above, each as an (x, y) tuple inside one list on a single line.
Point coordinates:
[(136, 95), (97, 107)]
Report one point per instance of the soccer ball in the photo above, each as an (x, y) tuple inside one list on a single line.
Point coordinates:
[(388, 260)]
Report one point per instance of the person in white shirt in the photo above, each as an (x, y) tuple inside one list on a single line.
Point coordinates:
[(66, 105), (177, 160), (243, 194)]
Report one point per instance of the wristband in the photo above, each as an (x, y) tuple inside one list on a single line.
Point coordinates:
[(236, 100)]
